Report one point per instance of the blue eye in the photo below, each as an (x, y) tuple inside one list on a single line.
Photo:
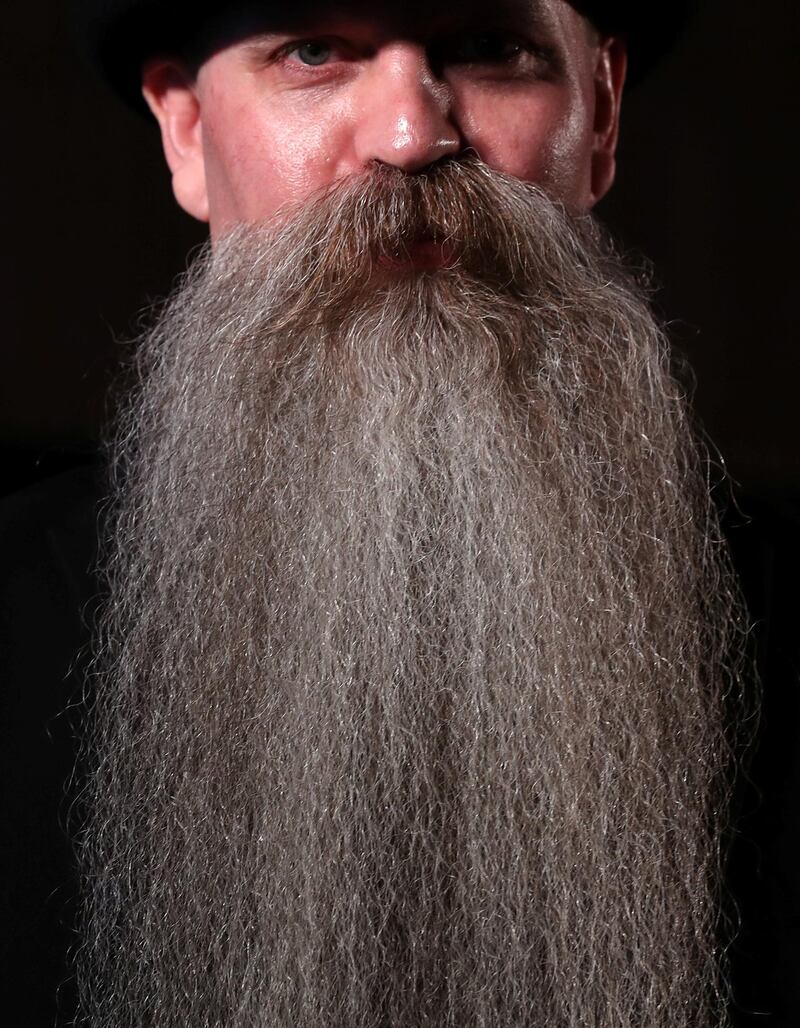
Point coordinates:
[(313, 52)]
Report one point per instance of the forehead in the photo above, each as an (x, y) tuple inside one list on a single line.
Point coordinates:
[(401, 17)]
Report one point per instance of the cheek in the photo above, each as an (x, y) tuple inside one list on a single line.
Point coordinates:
[(544, 138), (261, 157)]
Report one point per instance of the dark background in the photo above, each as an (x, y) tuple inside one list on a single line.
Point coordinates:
[(706, 190)]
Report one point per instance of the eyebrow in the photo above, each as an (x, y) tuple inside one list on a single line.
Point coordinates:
[(253, 27)]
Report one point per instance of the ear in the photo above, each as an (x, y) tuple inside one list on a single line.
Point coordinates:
[(169, 90), (609, 77)]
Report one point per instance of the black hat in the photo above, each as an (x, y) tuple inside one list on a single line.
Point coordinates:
[(120, 34)]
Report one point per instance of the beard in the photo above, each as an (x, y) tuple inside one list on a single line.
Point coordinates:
[(412, 677)]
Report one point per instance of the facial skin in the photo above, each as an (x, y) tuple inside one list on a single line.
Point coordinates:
[(286, 110)]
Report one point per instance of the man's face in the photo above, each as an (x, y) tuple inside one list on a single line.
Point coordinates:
[(409, 682), (295, 103)]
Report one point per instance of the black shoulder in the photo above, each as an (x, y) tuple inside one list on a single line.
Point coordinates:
[(52, 522), (48, 555), (763, 531), (764, 873), (48, 551)]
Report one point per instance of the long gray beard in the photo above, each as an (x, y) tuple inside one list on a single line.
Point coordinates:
[(411, 684)]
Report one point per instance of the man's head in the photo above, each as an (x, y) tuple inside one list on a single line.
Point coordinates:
[(411, 684), (284, 106), (262, 103)]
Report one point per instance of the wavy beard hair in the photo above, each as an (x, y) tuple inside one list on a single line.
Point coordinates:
[(413, 674)]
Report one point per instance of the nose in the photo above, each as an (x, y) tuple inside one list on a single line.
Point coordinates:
[(405, 113)]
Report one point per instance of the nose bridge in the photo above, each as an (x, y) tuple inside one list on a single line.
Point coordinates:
[(406, 116)]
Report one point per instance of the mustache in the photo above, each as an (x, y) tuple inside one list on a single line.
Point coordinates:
[(350, 232)]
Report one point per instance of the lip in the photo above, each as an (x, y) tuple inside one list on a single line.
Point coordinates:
[(423, 255)]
